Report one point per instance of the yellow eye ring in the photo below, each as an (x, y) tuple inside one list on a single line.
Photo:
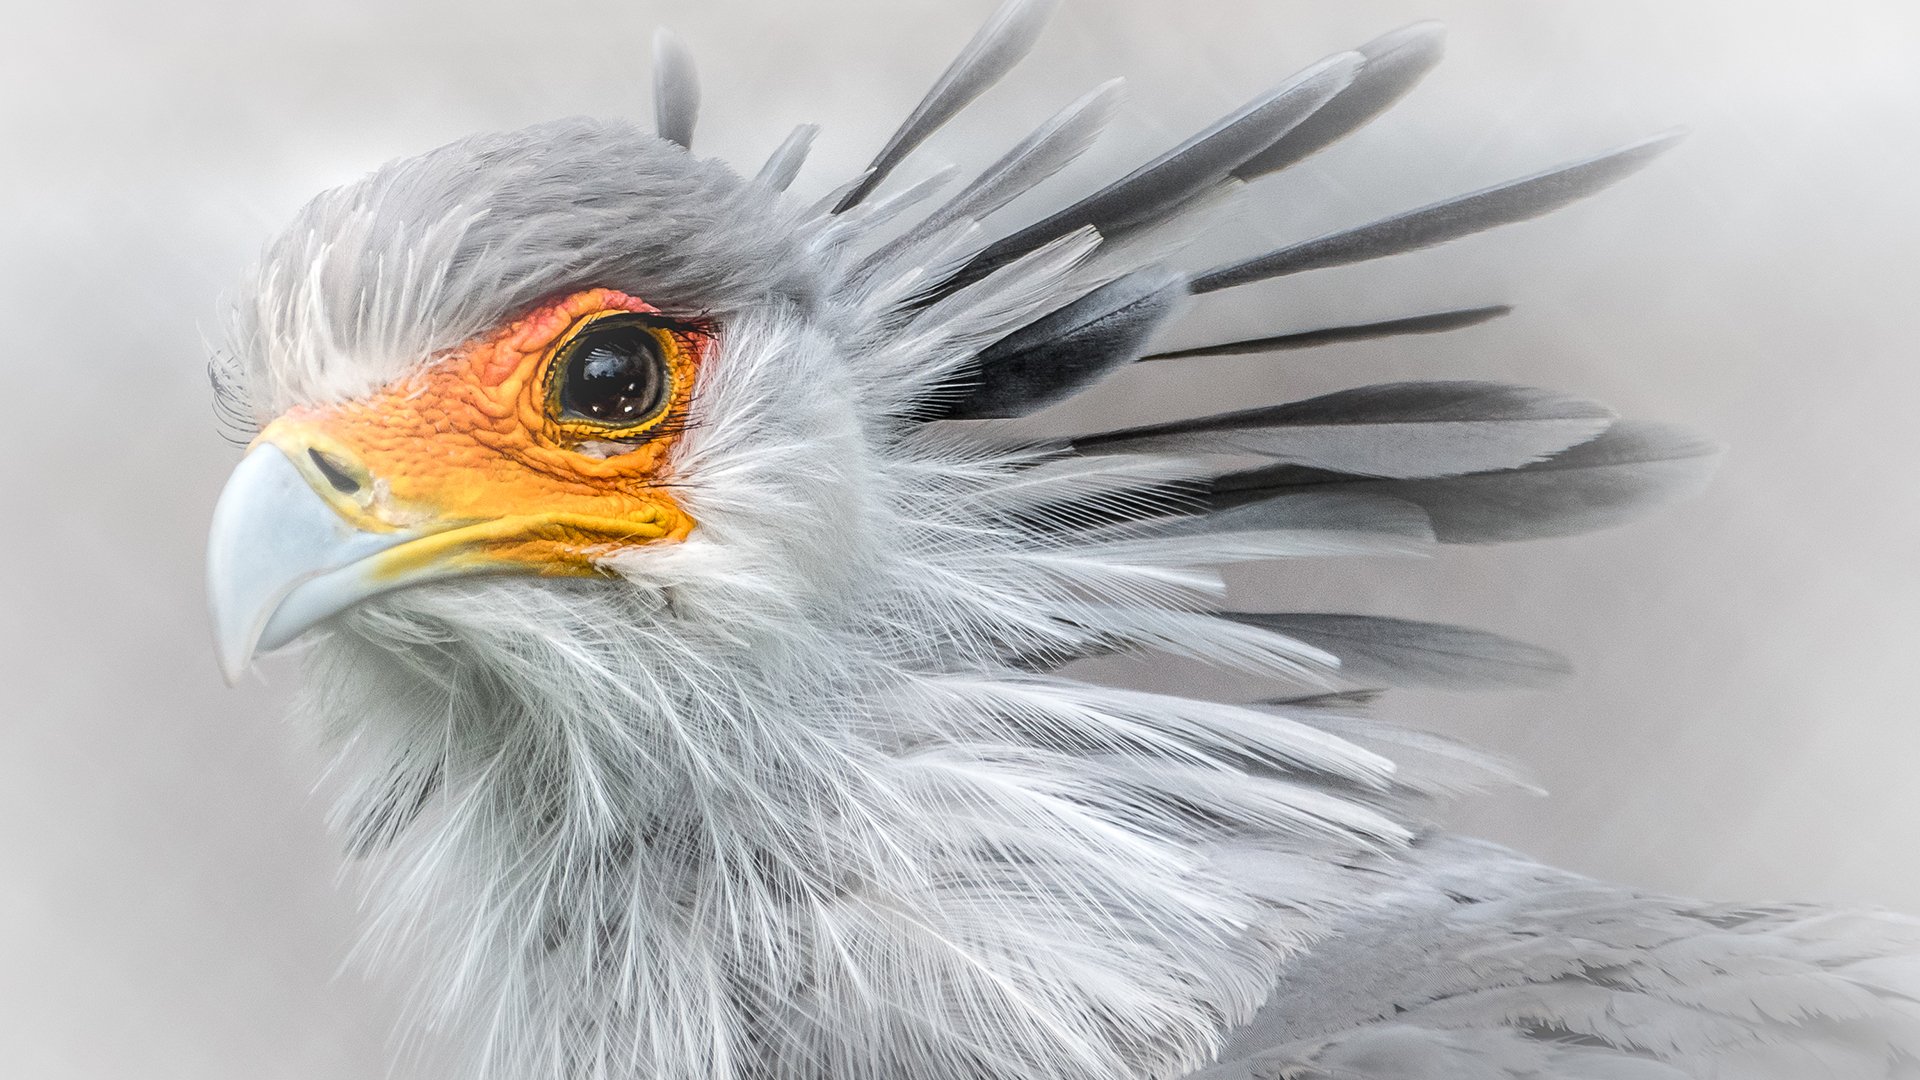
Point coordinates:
[(616, 375)]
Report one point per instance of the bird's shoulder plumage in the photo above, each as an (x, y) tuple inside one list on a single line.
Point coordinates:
[(1475, 962)]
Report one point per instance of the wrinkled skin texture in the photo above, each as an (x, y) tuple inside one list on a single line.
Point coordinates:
[(473, 448)]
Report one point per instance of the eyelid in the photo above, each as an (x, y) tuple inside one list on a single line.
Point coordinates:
[(658, 319), (675, 325)]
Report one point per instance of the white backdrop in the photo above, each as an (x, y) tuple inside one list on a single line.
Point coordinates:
[(1741, 723)]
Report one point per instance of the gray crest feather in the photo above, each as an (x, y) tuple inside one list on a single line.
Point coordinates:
[(1450, 219), (1184, 173), (1402, 525), (1050, 148), (1626, 470), (1057, 356), (783, 165), (1437, 322), (1395, 63), (676, 89), (994, 50), (1393, 429), (1044, 152)]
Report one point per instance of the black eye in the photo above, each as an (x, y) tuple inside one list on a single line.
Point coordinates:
[(615, 374)]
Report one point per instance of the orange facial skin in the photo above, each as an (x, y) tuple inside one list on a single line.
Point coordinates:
[(473, 454)]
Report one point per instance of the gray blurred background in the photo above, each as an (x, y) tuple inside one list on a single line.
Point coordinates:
[(1741, 724)]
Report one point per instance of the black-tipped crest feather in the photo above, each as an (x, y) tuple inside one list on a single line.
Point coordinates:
[(1435, 323), (1048, 149), (1064, 352), (1181, 174), (1627, 470), (1450, 219), (993, 51), (1395, 64), (1393, 429)]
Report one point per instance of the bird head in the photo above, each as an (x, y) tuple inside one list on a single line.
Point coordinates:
[(490, 360)]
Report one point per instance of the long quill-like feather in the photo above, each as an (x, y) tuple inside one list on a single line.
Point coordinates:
[(1401, 652), (995, 48), (1394, 429), (1395, 64), (676, 88), (1451, 219), (1435, 323), (1626, 470), (1187, 171)]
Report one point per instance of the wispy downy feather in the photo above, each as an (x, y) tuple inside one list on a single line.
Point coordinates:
[(1200, 636), (1433, 766)]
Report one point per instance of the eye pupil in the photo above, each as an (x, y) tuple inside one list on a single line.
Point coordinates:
[(615, 373)]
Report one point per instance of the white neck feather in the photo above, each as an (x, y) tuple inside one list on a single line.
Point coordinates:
[(774, 803)]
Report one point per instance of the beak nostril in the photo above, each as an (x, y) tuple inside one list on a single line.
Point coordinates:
[(336, 474)]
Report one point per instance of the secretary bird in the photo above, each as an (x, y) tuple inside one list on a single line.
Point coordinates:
[(696, 622)]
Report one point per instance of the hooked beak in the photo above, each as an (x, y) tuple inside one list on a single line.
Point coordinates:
[(304, 531), (281, 558)]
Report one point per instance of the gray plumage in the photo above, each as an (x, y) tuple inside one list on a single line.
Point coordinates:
[(784, 164), (483, 228), (1438, 322), (1054, 357), (1595, 982), (1597, 484), (676, 89), (994, 50), (1449, 219), (1395, 62), (1050, 148), (1380, 651), (812, 790), (1187, 171), (1394, 429)]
